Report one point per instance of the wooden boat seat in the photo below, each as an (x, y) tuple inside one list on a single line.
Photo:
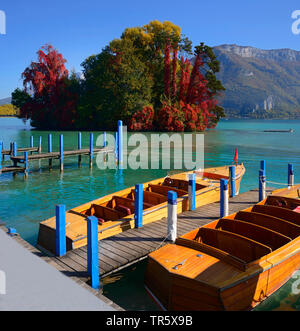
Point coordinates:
[(180, 184), (213, 251), (230, 247), (270, 222), (124, 202), (265, 236), (128, 203), (285, 214), (124, 210), (163, 190), (103, 213), (239, 246), (154, 198), (284, 202)]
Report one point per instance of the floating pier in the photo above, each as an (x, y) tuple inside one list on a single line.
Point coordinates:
[(119, 251)]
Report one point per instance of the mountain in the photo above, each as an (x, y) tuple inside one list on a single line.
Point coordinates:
[(5, 101), (259, 83)]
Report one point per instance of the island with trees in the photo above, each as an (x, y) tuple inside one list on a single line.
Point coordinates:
[(152, 78)]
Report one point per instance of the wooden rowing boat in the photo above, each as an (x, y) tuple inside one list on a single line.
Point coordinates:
[(291, 191), (233, 263), (116, 211)]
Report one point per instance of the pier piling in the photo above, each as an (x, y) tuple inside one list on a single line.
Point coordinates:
[(224, 204), (79, 147), (291, 175), (61, 151), (50, 149), (120, 142), (232, 181), (172, 216), (40, 145), (116, 145), (138, 205), (91, 149), (26, 166), (1, 144), (262, 185), (61, 230), (192, 191), (92, 251)]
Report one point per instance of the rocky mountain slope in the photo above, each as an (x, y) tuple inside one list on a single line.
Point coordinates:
[(259, 83)]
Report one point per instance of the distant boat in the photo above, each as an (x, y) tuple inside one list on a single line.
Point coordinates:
[(287, 131)]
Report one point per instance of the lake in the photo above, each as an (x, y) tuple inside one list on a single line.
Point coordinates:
[(25, 203)]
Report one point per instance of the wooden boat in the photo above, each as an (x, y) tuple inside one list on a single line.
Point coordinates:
[(233, 263), (116, 211), (280, 131), (292, 192)]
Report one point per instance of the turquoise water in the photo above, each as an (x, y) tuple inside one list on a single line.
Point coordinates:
[(25, 203)]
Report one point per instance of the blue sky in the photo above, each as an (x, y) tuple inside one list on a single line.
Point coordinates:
[(80, 28)]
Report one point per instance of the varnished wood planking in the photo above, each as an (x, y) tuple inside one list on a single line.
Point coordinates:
[(76, 230), (136, 243)]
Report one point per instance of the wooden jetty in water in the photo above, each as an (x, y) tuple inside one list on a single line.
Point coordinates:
[(133, 245), (27, 154)]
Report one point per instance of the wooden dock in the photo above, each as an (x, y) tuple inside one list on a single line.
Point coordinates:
[(12, 169), (24, 159), (21, 150), (133, 245), (57, 155)]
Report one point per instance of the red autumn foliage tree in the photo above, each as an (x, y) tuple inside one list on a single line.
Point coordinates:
[(142, 120), (192, 109), (174, 73), (167, 74), (52, 103)]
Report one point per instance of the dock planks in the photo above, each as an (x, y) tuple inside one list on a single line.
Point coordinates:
[(128, 247), (56, 155)]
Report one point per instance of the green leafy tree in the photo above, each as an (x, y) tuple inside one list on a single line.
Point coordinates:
[(211, 68)]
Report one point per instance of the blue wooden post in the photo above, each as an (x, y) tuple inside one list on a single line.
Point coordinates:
[(31, 143), (92, 251), (79, 147), (138, 206), (12, 231), (26, 164), (224, 207), (40, 144), (116, 144), (232, 180), (61, 152), (79, 140), (172, 216), (61, 230), (192, 191), (104, 139), (263, 165), (1, 144), (49, 143), (2, 156), (291, 175), (120, 142), (91, 149), (14, 149), (262, 185)]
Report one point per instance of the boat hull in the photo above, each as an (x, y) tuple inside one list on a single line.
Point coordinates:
[(231, 264), (76, 229)]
